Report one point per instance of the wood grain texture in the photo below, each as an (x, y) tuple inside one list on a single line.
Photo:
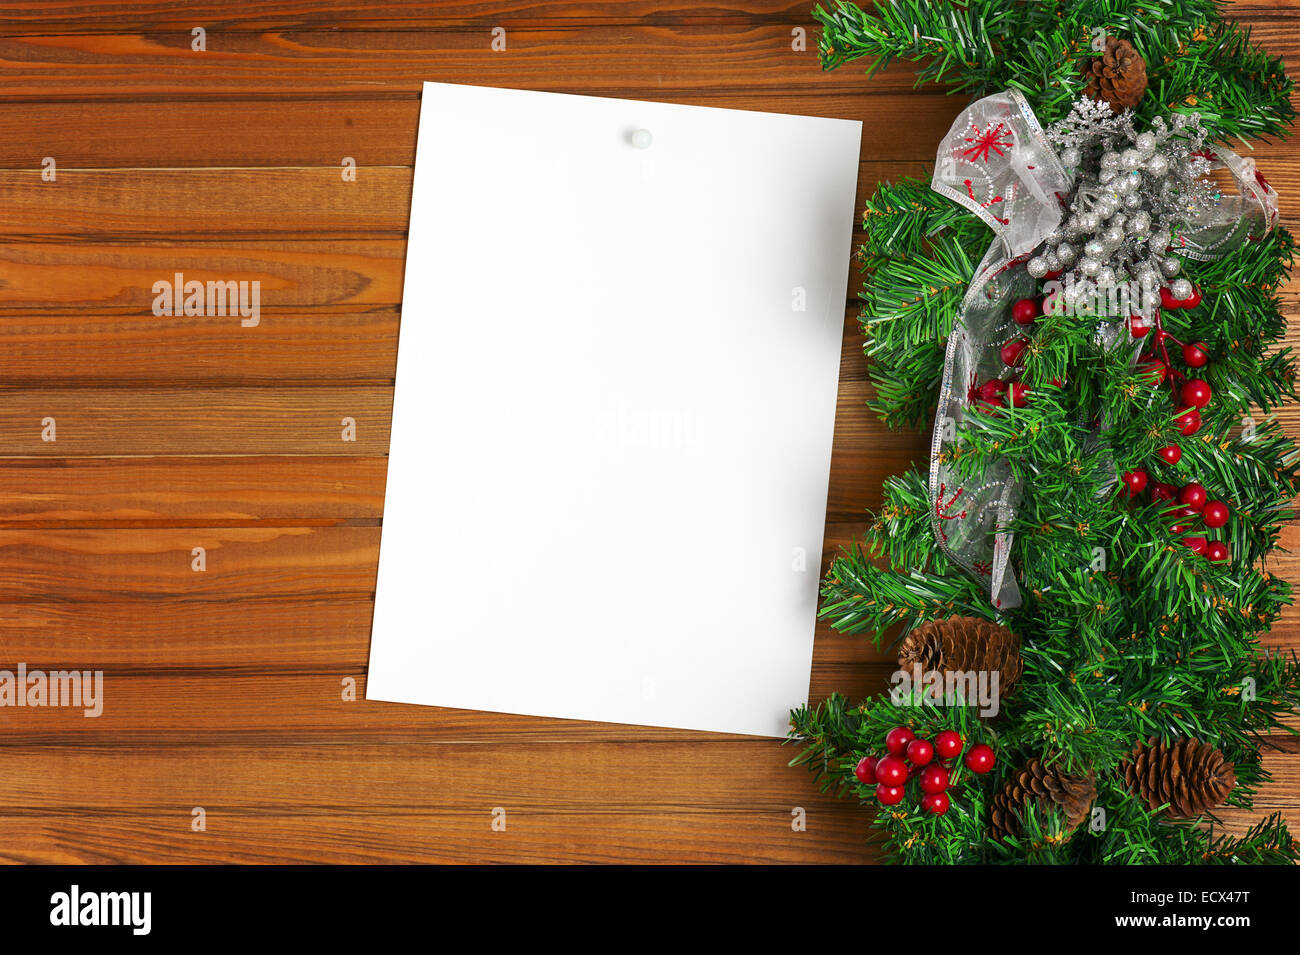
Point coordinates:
[(226, 688), (191, 491), (833, 835)]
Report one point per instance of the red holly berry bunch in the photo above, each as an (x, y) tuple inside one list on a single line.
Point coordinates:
[(1008, 388), (1190, 503), (1184, 506), (1189, 394), (912, 758)]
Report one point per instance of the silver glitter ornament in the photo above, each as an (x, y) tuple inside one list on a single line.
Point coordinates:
[(1071, 157), (1170, 266), (1037, 267), (1106, 277), (1140, 224), (1180, 289), (1133, 190)]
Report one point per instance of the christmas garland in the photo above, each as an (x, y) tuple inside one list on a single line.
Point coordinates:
[(1075, 581)]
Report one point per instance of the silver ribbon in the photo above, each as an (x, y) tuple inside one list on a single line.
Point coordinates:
[(998, 163)]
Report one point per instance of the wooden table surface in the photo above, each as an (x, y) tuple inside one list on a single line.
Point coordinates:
[(227, 689)]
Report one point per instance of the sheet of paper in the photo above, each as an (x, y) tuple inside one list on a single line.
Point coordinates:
[(616, 387)]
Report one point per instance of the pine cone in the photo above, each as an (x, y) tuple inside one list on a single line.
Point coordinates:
[(1188, 775), (967, 644), (1050, 788), (1118, 76)]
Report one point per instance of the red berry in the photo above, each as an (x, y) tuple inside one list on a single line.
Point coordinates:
[(980, 759), (1057, 382), (1135, 481), (936, 804), (1026, 311), (1177, 529), (1160, 491), (1170, 454), (866, 770), (1215, 514), (919, 752), (897, 739), (1019, 394), (1192, 300), (1139, 325), (1053, 275), (1193, 497), (934, 779), (889, 795), (1013, 352), (1196, 393), (1217, 551), (1188, 421), (891, 771), (1167, 299), (1196, 354), (993, 388), (1196, 544), (948, 744), (1156, 371)]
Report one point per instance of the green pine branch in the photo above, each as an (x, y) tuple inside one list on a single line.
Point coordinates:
[(1126, 633)]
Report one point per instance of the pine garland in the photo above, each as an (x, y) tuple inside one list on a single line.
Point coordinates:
[(1151, 641)]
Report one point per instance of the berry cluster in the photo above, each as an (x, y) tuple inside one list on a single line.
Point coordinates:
[(1185, 505), (1189, 394), (1191, 502), (912, 758), (997, 392)]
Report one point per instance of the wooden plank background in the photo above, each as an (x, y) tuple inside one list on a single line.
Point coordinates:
[(225, 689)]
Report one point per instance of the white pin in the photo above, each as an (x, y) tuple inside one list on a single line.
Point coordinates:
[(642, 139)]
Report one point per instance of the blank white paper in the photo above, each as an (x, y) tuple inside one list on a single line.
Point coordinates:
[(615, 396)]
